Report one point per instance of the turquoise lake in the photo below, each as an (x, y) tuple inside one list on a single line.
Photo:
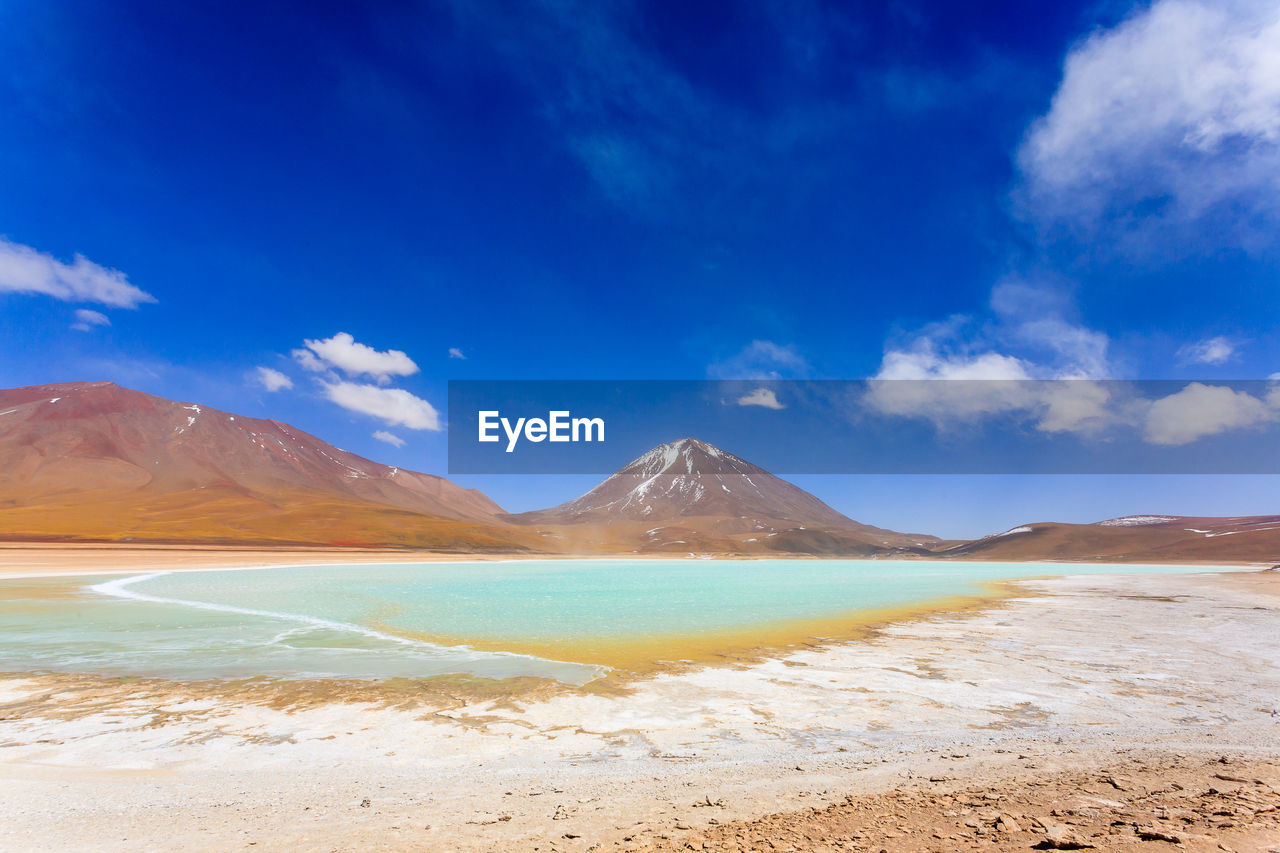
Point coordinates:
[(375, 621)]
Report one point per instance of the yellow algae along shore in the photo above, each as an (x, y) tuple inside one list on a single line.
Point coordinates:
[(632, 656)]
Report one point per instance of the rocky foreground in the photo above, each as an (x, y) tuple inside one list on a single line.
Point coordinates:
[(1144, 804)]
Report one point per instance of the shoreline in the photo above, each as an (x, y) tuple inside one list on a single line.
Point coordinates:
[(745, 647), (38, 559), (1087, 675), (625, 659)]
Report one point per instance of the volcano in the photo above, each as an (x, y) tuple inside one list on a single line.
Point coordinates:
[(689, 493)]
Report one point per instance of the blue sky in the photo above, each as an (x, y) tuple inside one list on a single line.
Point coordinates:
[(621, 190)]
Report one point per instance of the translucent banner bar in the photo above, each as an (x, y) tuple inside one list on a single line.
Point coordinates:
[(873, 426)]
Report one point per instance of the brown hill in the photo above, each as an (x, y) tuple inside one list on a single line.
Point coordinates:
[(1135, 538), (92, 460), (691, 496)]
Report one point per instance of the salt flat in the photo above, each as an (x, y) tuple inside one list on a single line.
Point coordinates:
[(1082, 670)]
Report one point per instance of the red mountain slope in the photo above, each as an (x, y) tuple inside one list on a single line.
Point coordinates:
[(1135, 538), (94, 460)]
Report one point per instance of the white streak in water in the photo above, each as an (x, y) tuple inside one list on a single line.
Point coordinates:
[(119, 588)]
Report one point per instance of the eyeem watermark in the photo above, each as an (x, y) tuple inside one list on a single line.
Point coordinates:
[(558, 426), (905, 426)]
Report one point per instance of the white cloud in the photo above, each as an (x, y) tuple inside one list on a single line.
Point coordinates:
[(271, 379), (87, 318), (763, 397), (1217, 350), (761, 360), (946, 404), (993, 368), (26, 270), (1038, 317), (389, 437), (394, 406), (1078, 406), (991, 381), (343, 354), (1200, 410), (986, 383), (1175, 113), (1030, 334), (923, 360), (354, 358), (454, 352), (307, 360)]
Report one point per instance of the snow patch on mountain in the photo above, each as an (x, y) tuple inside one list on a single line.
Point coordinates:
[(1137, 521)]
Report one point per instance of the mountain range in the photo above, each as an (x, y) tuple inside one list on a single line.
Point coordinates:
[(92, 461)]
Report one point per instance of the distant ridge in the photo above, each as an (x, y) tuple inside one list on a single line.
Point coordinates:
[(1135, 538)]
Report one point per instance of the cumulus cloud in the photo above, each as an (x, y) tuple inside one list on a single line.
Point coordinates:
[(1162, 120), (393, 406), (271, 379), (454, 352), (762, 397), (993, 368), (1200, 410), (307, 360), (341, 356), (87, 318), (344, 352), (26, 270), (1030, 333), (1079, 406), (1165, 125), (1218, 350), (1038, 318), (929, 358), (994, 380), (947, 404), (981, 383), (389, 437), (761, 360)]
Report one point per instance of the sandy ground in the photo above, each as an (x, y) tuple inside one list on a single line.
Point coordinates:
[(25, 559), (924, 737)]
